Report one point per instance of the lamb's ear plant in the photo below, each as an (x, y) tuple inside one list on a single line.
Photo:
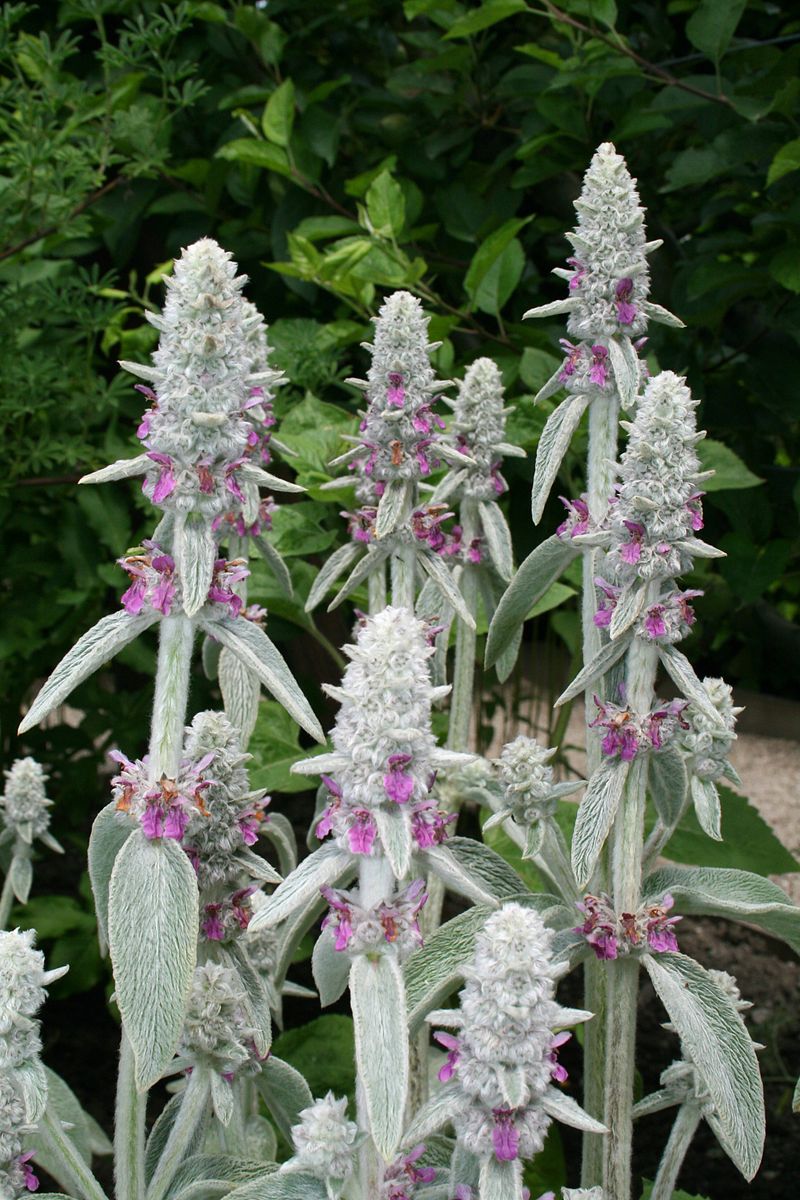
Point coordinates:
[(24, 807)]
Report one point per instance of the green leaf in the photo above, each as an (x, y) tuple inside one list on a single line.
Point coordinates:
[(275, 746), (378, 1003), (322, 1051), (750, 568), (596, 813), (785, 267), (110, 831), (535, 576), (152, 929), (712, 25), (749, 842), (488, 253), (284, 1091), (787, 159), (536, 367), (678, 1194), (278, 116), (386, 206), (501, 278), (731, 472), (256, 153), (488, 14), (713, 1034)]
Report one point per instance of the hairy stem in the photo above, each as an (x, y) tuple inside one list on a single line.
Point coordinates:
[(176, 635), (375, 884), (72, 1170), (129, 1119), (377, 589), (683, 1130), (190, 1114), (404, 592), (6, 900)]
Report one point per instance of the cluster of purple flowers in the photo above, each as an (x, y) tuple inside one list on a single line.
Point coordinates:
[(391, 923), (356, 824), (401, 1177), (163, 807), (666, 622), (611, 934), (583, 358), (629, 734), (155, 583), (225, 919)]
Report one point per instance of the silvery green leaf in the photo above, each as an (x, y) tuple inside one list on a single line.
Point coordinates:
[(713, 1034), (392, 507), (215, 1172), (433, 565), (151, 374), (507, 450), (378, 1003), (323, 868), (501, 1180), (209, 653), (554, 309), (319, 764), (159, 1136), (330, 571), (496, 819), (257, 867), (373, 560), (730, 772), (540, 569), (258, 653), (281, 1186), (254, 474), (662, 315), (554, 384), (455, 458), (276, 564), (475, 871), (602, 662), (498, 539), (330, 968), (241, 691), (123, 468), (20, 877), (152, 933), (513, 1085), (705, 798), (596, 814), (110, 831), (563, 1108), (464, 1167), (221, 1098), (30, 1083), (667, 782), (394, 830), (436, 969), (700, 549), (625, 365), (257, 1003), (734, 895), (196, 550), (435, 1114), (553, 444), (97, 646), (349, 456), (451, 482), (629, 607), (534, 839), (796, 1098), (682, 674), (278, 829), (656, 1102)]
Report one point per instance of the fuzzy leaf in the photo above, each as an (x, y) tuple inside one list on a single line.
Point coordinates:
[(196, 552), (394, 830), (433, 565), (498, 539), (285, 1093), (475, 871), (330, 571), (667, 782), (629, 607), (707, 807), (435, 1114), (97, 646), (241, 691), (661, 316), (392, 507), (258, 653), (536, 574), (713, 1033), (256, 998), (324, 867), (553, 444), (276, 564), (596, 814), (735, 895), (602, 662), (435, 969), (500, 1180), (110, 831), (625, 364), (330, 968), (281, 1185), (20, 877), (278, 829), (378, 1002), (152, 932), (683, 676), (123, 468), (554, 309), (372, 561), (561, 1106)]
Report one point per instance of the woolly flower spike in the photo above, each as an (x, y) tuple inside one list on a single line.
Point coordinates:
[(479, 425), (216, 838), (391, 926), (629, 734), (709, 745), (529, 793), (325, 1142), (385, 755), (216, 1032), (500, 1096), (612, 934), (24, 804), (658, 510)]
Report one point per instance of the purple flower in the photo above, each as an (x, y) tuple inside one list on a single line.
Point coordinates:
[(695, 510), (663, 722), (339, 917), (211, 924), (598, 368), (153, 580), (659, 927), (429, 825), (498, 482), (505, 1137), (622, 736), (631, 552), (626, 311), (361, 834), (474, 551), (605, 612), (166, 482), (29, 1179), (401, 1176), (600, 925), (397, 782), (396, 393), (361, 524), (252, 819), (557, 1070), (654, 621), (577, 521), (453, 1048), (580, 271), (573, 358)]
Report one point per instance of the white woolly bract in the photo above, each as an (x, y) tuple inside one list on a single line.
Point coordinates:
[(387, 711), (705, 742), (397, 429), (479, 425), (24, 803), (527, 779), (22, 980), (658, 492), (609, 244), (216, 1031), (324, 1139)]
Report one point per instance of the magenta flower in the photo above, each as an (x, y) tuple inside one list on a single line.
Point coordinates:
[(579, 275), (600, 925), (453, 1048), (577, 520), (663, 722), (572, 360), (363, 831), (623, 735), (557, 1070), (397, 782), (228, 572), (144, 428), (402, 1176), (498, 482), (505, 1137), (211, 925), (396, 393), (29, 1178), (626, 312), (605, 612), (598, 367), (165, 483), (339, 917), (695, 509), (252, 819), (474, 554), (659, 927), (429, 825), (611, 934), (631, 552), (153, 579), (654, 621), (361, 524)]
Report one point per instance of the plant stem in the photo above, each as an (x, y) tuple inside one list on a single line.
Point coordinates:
[(72, 1170), (377, 590), (190, 1114), (129, 1119), (404, 578), (600, 475), (6, 900), (375, 884), (176, 635), (680, 1138)]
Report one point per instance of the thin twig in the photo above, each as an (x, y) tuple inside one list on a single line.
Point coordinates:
[(87, 202)]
